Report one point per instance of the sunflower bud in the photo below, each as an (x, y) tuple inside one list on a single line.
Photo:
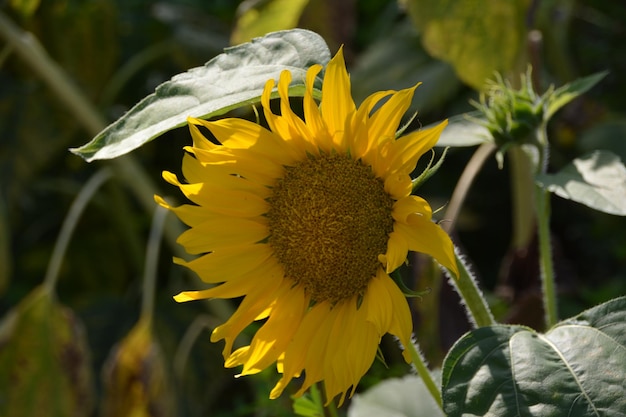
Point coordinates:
[(512, 116)]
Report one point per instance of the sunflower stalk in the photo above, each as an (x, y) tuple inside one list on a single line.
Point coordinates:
[(419, 363), (542, 211), (477, 309)]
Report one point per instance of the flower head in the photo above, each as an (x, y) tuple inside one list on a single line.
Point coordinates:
[(305, 220)]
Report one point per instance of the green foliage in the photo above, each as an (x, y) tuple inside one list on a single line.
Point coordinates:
[(565, 94), (264, 16), (478, 37), (309, 404), (578, 368), (597, 180), (25, 7), (231, 80), (44, 360)]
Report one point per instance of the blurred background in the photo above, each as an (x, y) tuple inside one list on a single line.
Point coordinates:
[(115, 52)]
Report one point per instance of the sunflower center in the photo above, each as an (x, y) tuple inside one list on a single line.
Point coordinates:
[(329, 219)]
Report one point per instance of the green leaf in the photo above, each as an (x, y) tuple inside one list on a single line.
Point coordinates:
[(478, 37), (45, 368), (231, 80), (564, 94), (259, 17), (578, 368), (309, 404), (597, 180), (305, 406), (464, 130)]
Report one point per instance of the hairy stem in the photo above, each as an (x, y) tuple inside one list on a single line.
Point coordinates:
[(422, 370), (478, 311), (542, 201)]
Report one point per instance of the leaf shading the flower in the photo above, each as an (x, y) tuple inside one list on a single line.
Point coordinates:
[(135, 377), (578, 368), (210, 90), (44, 360)]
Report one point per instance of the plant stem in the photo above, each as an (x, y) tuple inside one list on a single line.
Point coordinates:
[(521, 194), (69, 224), (152, 258), (542, 201), (424, 373), (478, 310), (543, 213), (463, 185)]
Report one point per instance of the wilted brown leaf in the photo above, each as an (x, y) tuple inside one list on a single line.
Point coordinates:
[(135, 377)]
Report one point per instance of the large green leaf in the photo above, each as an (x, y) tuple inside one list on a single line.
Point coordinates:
[(233, 79), (477, 37), (597, 180), (45, 368), (578, 368)]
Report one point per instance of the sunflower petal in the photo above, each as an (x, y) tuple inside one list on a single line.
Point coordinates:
[(424, 236), (408, 149), (385, 121), (337, 103), (219, 233), (223, 264), (272, 338)]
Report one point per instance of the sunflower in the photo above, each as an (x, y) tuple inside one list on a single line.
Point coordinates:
[(305, 221)]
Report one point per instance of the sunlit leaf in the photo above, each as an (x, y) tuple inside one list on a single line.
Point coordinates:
[(135, 377), (464, 130), (233, 79), (563, 95), (477, 37), (597, 180), (406, 397), (578, 368), (25, 7), (45, 366), (260, 17)]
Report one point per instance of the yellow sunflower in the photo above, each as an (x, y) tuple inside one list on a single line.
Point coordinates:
[(305, 221)]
